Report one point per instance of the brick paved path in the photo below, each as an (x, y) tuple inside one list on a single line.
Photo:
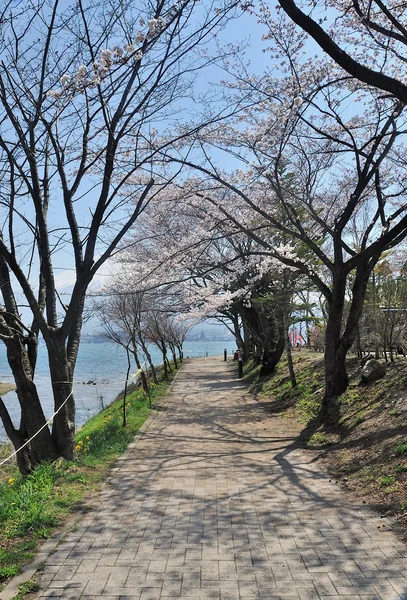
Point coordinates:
[(212, 501)]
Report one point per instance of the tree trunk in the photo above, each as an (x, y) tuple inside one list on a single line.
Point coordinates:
[(17, 439), (180, 353), (336, 377), (336, 382), (63, 427), (174, 356), (271, 357), (238, 337), (126, 383), (337, 344), (246, 341), (33, 422), (290, 363), (259, 323), (149, 359), (164, 355)]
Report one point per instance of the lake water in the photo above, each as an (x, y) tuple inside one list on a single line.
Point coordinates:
[(104, 364)]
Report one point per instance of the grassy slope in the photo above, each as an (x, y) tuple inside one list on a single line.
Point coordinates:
[(32, 507), (368, 453)]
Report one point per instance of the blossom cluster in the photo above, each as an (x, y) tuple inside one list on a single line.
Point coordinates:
[(95, 73)]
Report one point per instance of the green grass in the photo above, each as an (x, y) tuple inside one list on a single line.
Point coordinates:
[(351, 398), (251, 372), (14, 554), (24, 503), (386, 481), (305, 402), (394, 412), (308, 405), (29, 587), (8, 469), (401, 449), (358, 420), (31, 507), (6, 572), (317, 439)]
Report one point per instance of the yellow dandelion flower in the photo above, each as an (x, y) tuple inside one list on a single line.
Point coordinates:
[(11, 481)]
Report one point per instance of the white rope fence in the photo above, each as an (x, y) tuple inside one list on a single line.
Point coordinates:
[(41, 428), (135, 375)]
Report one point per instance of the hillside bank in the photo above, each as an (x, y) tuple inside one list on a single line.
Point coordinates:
[(367, 455)]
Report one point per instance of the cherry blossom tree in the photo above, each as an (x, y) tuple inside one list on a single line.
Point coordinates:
[(122, 320), (365, 39), (216, 271), (161, 330), (321, 154), (84, 88)]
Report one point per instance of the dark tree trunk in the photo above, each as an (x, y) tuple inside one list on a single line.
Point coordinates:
[(290, 363), (246, 341), (180, 353), (240, 342), (337, 344), (336, 382), (17, 439), (266, 330), (272, 356), (336, 377), (33, 422), (165, 361), (257, 354), (148, 356), (126, 383), (174, 356), (63, 427)]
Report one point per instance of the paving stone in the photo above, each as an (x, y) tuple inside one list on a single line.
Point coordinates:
[(212, 501)]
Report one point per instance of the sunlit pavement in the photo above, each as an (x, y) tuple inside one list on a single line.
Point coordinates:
[(213, 500)]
